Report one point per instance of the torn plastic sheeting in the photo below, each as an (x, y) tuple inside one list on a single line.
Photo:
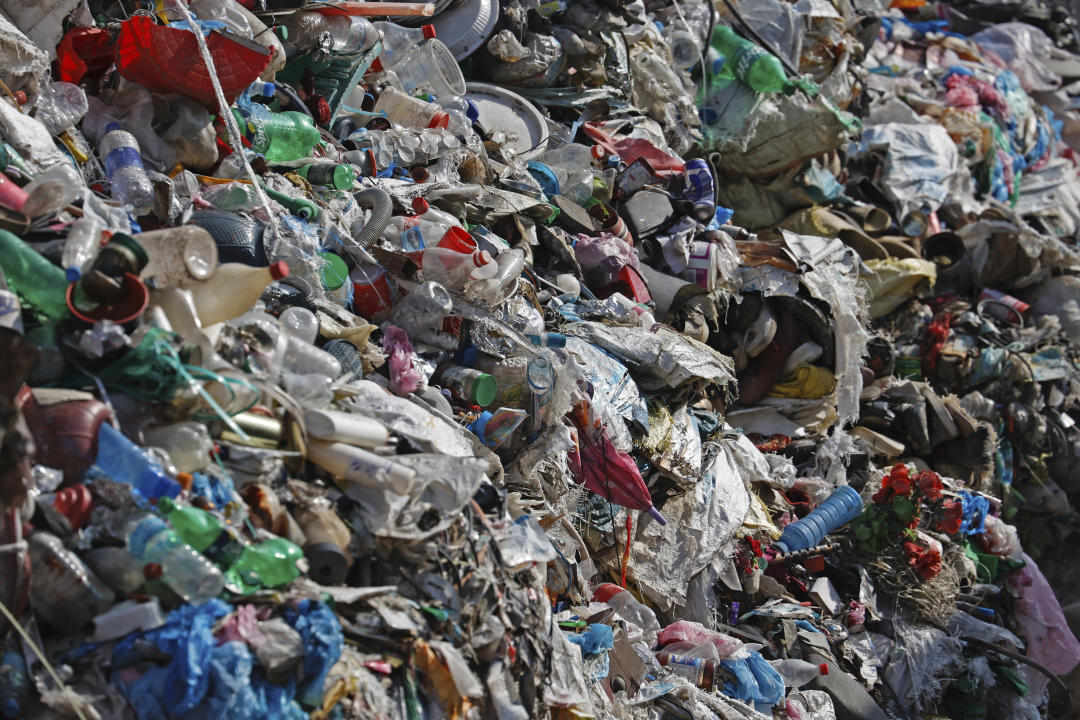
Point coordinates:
[(30, 138), (922, 163), (779, 24), (919, 658), (664, 357), (525, 544), (611, 378), (1021, 48), (19, 55), (674, 443), (566, 684), (444, 485), (1042, 622), (701, 523)]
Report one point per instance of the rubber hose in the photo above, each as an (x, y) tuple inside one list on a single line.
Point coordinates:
[(378, 201)]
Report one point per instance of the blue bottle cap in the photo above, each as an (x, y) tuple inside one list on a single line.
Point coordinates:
[(72, 274), (112, 126)]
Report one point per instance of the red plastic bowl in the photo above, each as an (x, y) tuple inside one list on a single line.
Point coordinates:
[(136, 298)]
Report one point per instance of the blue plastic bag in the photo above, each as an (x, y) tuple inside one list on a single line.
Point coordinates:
[(323, 642)]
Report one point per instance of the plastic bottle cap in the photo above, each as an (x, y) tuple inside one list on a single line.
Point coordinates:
[(429, 32), (606, 591), (824, 668), (334, 272), (185, 480), (481, 258), (72, 274), (484, 389), (440, 119), (152, 571), (279, 270), (420, 205), (344, 177), (268, 90), (112, 126)]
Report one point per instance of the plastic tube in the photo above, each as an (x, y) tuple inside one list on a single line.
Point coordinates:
[(378, 201), (348, 428)]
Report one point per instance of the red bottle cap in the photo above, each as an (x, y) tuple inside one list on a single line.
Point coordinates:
[(824, 667), (429, 32), (605, 592), (151, 571), (185, 480), (279, 270), (440, 119), (420, 205)]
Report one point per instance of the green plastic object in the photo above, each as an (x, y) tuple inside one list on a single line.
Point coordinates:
[(748, 63), (335, 272), (39, 285), (203, 531), (271, 563), (280, 136), (301, 208)]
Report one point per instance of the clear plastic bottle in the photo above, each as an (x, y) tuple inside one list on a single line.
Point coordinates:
[(797, 673), (402, 109), (572, 165), (685, 48), (629, 609), (452, 269), (422, 312), (541, 377), (119, 151), (60, 106), (64, 591), (431, 68), (309, 30), (301, 323), (81, 246), (117, 568), (431, 226), (53, 190), (188, 573), (496, 288), (233, 290), (188, 444), (398, 40), (303, 358)]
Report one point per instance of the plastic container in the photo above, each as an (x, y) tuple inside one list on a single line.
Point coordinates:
[(301, 323), (432, 225), (357, 466), (81, 246), (188, 573), (541, 377), (64, 590), (467, 385), (797, 673), (339, 177), (121, 460), (279, 136), (430, 68), (181, 256), (53, 190), (233, 290), (327, 546), (188, 443), (40, 285), (629, 609), (397, 41), (841, 507), (129, 183), (452, 269), (407, 111), (348, 428), (748, 63), (685, 48), (342, 34), (372, 294)]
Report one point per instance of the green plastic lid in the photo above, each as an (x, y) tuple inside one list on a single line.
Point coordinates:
[(133, 246), (335, 272), (484, 389)]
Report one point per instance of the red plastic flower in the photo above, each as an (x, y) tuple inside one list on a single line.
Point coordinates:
[(951, 518), (930, 484), (899, 470), (901, 484), (929, 564), (883, 495)]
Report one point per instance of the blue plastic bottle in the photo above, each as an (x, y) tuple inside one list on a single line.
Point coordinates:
[(123, 461), (843, 506)]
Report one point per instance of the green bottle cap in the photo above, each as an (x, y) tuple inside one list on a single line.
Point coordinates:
[(335, 272), (484, 389)]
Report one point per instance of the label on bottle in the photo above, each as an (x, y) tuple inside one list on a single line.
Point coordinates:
[(226, 548), (10, 310), (412, 239), (460, 381), (690, 668), (745, 57), (122, 157)]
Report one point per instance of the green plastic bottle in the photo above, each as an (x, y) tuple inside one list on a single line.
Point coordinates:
[(271, 563), (748, 63), (40, 285), (278, 136)]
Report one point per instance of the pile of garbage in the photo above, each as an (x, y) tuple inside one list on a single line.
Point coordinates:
[(659, 359)]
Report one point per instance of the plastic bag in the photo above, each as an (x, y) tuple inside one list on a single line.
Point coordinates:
[(527, 543)]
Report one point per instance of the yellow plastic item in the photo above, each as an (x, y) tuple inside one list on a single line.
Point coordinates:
[(808, 382)]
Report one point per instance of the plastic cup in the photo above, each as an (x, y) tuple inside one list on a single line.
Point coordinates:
[(371, 291)]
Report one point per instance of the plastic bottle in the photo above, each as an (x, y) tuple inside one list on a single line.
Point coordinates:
[(121, 460), (278, 136), (700, 188), (495, 289), (402, 109), (301, 323), (466, 385), (15, 692), (748, 63), (81, 246), (303, 358), (629, 609), (685, 48), (130, 185), (60, 106), (203, 531), (646, 318), (232, 290), (431, 226), (541, 378), (357, 466), (339, 177), (430, 68), (841, 507), (452, 269), (397, 41), (38, 283), (64, 591), (309, 30), (185, 571), (698, 671), (188, 443), (349, 428), (797, 673), (572, 165), (327, 545), (117, 568), (271, 563), (53, 190)]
